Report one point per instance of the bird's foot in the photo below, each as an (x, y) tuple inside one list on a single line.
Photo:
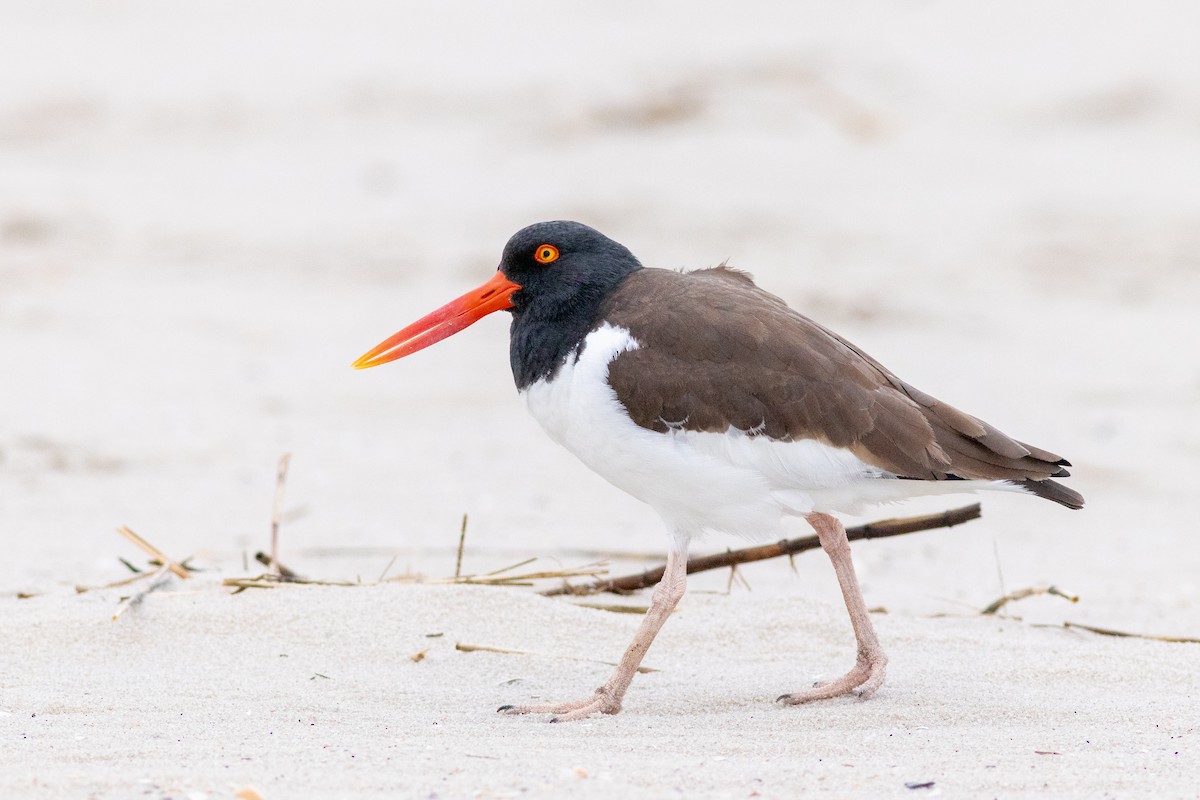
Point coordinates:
[(604, 701), (866, 677)]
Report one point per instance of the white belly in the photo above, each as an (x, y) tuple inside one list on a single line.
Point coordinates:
[(703, 482)]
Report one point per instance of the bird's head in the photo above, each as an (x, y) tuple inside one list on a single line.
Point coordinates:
[(550, 269)]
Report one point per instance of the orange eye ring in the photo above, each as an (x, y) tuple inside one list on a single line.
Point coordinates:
[(545, 253)]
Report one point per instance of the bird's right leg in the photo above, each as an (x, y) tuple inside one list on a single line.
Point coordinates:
[(871, 664), (607, 699)]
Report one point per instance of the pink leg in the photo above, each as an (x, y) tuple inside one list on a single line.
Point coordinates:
[(871, 664), (607, 699)]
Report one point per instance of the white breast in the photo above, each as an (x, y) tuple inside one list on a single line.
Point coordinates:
[(726, 482)]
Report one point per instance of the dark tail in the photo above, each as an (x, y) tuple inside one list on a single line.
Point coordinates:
[(1052, 490)]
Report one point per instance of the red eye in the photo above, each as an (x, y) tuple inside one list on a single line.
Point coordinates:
[(545, 253)]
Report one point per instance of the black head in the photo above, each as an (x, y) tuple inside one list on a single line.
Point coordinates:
[(562, 267), (565, 271), (553, 277)]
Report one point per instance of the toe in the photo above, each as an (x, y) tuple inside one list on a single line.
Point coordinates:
[(862, 681)]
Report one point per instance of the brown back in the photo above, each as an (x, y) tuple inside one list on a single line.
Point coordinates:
[(717, 351)]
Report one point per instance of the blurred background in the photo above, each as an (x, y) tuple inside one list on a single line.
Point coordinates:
[(207, 210)]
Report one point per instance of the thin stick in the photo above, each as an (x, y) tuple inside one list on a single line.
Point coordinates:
[(483, 648), (510, 567), (519, 579), (1021, 594), (270, 580), (387, 569), (141, 576), (615, 609), (277, 509), (872, 530), (157, 578), (999, 568), (462, 539), (1126, 634), (277, 568), (153, 551)]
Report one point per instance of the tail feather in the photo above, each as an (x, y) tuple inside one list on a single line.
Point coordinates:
[(1052, 490)]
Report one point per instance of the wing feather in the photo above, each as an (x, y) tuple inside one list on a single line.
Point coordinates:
[(718, 352)]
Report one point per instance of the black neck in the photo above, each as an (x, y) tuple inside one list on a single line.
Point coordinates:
[(545, 334)]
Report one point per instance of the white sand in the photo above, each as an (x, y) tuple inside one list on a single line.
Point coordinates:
[(206, 212), (311, 693)]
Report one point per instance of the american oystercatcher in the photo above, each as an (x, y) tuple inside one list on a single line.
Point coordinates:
[(724, 410)]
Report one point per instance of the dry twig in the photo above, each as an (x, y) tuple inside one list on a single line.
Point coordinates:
[(175, 567), (386, 569), (277, 508), (483, 648), (270, 580), (872, 530), (500, 577), (462, 540), (80, 588), (505, 576), (614, 608), (158, 578), (1128, 635), (277, 569), (1021, 594)]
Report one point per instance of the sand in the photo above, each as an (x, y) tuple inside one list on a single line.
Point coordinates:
[(312, 692), (207, 211)]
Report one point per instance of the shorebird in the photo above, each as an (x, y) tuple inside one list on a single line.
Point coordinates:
[(723, 409)]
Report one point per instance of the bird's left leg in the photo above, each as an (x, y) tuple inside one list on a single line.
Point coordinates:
[(871, 664), (607, 699)]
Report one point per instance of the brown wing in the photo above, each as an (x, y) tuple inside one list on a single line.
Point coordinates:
[(717, 351)]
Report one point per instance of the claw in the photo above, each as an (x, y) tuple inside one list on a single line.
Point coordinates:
[(862, 681)]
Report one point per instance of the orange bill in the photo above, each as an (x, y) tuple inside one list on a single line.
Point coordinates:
[(446, 321)]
